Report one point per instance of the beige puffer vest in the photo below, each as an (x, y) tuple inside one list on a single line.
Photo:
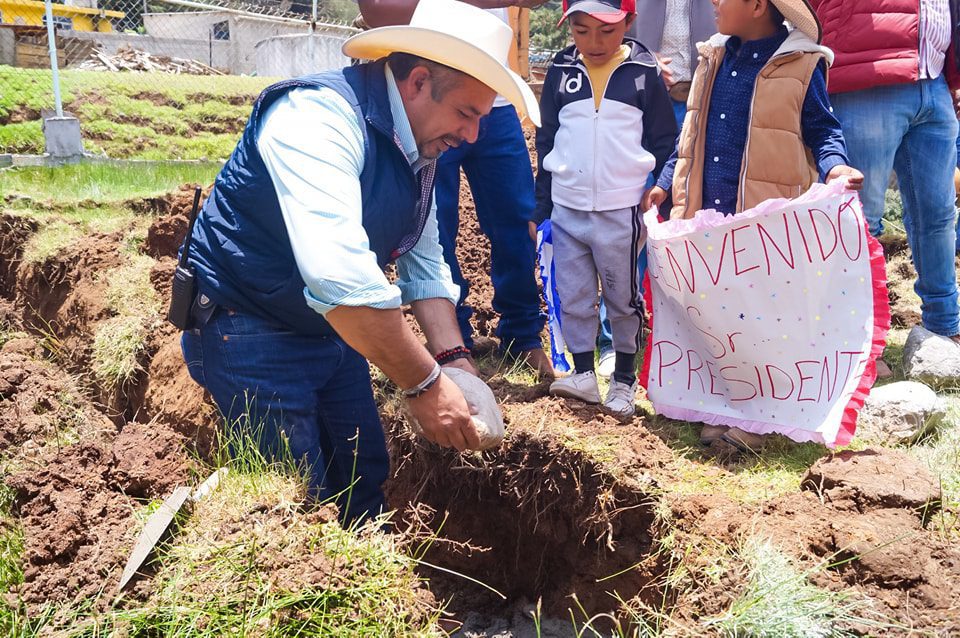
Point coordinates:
[(776, 162)]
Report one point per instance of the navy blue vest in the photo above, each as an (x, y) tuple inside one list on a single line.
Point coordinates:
[(241, 251)]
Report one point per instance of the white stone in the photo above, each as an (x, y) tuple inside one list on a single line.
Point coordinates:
[(930, 357), (899, 412), (487, 417)]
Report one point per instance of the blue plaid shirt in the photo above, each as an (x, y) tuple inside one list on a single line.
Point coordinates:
[(728, 121)]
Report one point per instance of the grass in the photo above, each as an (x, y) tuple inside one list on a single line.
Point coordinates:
[(101, 183), (120, 342), (940, 453), (145, 116), (247, 560), (11, 573), (779, 602), (71, 202)]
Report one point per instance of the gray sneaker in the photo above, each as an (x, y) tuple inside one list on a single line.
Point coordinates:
[(582, 386), (621, 398)]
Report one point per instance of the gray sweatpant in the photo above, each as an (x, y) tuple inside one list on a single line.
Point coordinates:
[(592, 246)]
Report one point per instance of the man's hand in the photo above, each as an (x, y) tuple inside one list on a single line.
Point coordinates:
[(653, 197), (956, 102), (853, 176), (532, 228), (665, 73), (444, 416)]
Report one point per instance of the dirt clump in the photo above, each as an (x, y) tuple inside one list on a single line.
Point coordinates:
[(852, 528), (78, 517), (40, 405), (873, 478)]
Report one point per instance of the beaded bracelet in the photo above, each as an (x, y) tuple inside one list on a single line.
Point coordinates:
[(448, 356)]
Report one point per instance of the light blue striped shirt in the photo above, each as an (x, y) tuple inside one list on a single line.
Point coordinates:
[(312, 144)]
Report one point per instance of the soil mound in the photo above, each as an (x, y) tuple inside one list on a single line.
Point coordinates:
[(78, 511), (855, 529), (874, 478), (40, 406)]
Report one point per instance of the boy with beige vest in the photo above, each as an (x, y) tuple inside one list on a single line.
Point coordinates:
[(758, 124)]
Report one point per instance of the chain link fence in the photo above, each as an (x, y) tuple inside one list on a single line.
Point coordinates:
[(157, 79), (174, 79)]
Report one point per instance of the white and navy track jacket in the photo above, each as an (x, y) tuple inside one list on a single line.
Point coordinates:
[(599, 159)]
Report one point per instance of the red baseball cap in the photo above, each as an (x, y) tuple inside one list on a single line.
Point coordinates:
[(609, 11)]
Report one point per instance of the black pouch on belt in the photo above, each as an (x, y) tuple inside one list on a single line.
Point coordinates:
[(184, 288)]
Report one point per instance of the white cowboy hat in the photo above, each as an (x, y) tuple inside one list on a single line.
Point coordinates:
[(800, 14), (457, 35)]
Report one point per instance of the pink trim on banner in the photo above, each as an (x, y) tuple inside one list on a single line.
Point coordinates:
[(881, 326), (648, 304)]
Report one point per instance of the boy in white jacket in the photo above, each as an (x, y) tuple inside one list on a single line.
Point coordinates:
[(608, 123)]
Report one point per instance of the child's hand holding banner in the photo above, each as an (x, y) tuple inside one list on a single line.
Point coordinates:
[(770, 320)]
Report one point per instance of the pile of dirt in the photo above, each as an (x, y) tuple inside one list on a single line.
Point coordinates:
[(76, 478), (166, 234), (40, 405), (858, 523), (473, 254)]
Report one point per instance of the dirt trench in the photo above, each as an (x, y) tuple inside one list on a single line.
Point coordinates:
[(571, 503)]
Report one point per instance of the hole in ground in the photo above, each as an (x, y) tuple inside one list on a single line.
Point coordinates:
[(548, 522)]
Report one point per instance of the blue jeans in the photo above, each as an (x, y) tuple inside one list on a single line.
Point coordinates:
[(497, 167), (310, 394), (679, 111), (912, 129), (958, 218)]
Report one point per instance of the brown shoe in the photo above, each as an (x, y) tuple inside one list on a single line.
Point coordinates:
[(538, 360), (711, 433), (743, 441)]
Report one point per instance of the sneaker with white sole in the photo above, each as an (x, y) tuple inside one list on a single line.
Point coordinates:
[(581, 386), (621, 398), (607, 363)]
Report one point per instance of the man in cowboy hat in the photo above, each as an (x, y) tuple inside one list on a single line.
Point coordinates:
[(499, 156), (331, 181)]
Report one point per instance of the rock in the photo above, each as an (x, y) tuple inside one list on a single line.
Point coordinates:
[(875, 477), (487, 417), (899, 412), (930, 357)]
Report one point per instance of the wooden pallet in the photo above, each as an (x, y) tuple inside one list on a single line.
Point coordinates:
[(35, 56)]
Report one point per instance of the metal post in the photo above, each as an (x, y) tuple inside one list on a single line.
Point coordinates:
[(52, 44), (313, 18)]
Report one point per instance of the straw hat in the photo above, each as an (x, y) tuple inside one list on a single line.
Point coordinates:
[(801, 15), (457, 35)]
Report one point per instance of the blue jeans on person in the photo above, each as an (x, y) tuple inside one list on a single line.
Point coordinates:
[(498, 170), (958, 218), (679, 111), (911, 129), (306, 393)]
